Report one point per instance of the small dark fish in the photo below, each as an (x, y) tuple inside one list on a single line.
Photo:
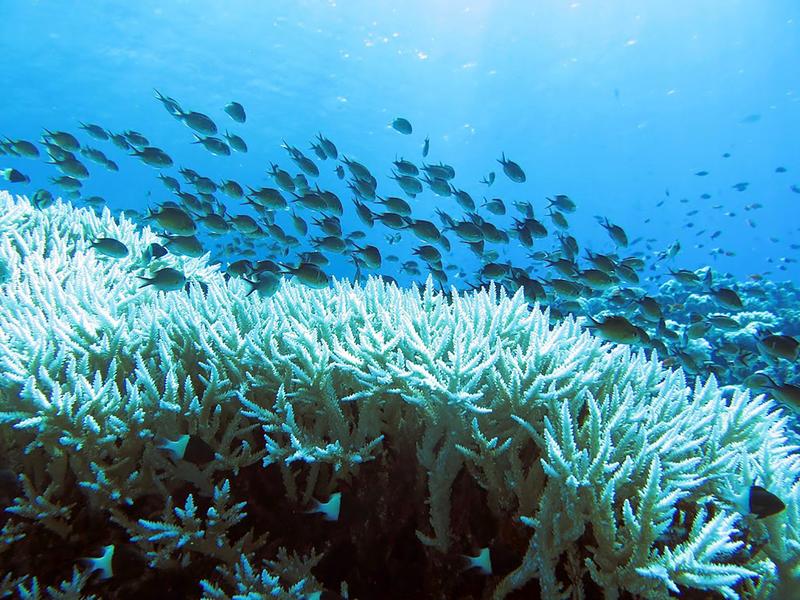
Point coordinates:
[(190, 448), (154, 157), (752, 118), (170, 104), (42, 199), (780, 346), (701, 173), (214, 145), (173, 219), (741, 186), (616, 233), (309, 274), (562, 202), (780, 169), (406, 167), (95, 155), (232, 189), (15, 176), (763, 503), (426, 146), (726, 155), (495, 206), (68, 183), (23, 148), (153, 252), (236, 112), (136, 139), (402, 125), (236, 142), (110, 247), (489, 179), (185, 245), (727, 297), (64, 140), (618, 329), (266, 285), (72, 167), (512, 170), (199, 122), (481, 561), (165, 280), (95, 131), (103, 563), (330, 509), (328, 147)]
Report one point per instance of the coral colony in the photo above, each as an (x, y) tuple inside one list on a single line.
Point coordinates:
[(168, 436)]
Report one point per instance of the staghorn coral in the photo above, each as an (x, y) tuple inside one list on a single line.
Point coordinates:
[(446, 423)]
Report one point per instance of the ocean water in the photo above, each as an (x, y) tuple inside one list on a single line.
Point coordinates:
[(677, 121), (611, 105)]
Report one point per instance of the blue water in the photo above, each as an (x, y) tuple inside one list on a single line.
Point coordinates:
[(610, 103)]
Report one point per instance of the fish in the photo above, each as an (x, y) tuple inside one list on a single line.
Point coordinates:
[(185, 245), (173, 219), (779, 346), (495, 206), (763, 503), (213, 144), (63, 139), (236, 142), (95, 131), (309, 274), (615, 232), (14, 176), (512, 170), (370, 256), (787, 393), (135, 138), (42, 199), (154, 251), (266, 285), (198, 121), (426, 146), (235, 111), (165, 280), (111, 247), (152, 156), (104, 563), (402, 125), (618, 329), (406, 167), (23, 148), (328, 147), (562, 202), (191, 448), (329, 510), (170, 104), (727, 297), (481, 561), (489, 179)]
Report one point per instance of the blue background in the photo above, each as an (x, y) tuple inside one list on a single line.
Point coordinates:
[(611, 103)]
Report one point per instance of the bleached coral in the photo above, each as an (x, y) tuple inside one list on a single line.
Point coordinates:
[(595, 466)]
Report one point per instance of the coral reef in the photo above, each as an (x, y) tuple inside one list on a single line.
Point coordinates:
[(198, 442)]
